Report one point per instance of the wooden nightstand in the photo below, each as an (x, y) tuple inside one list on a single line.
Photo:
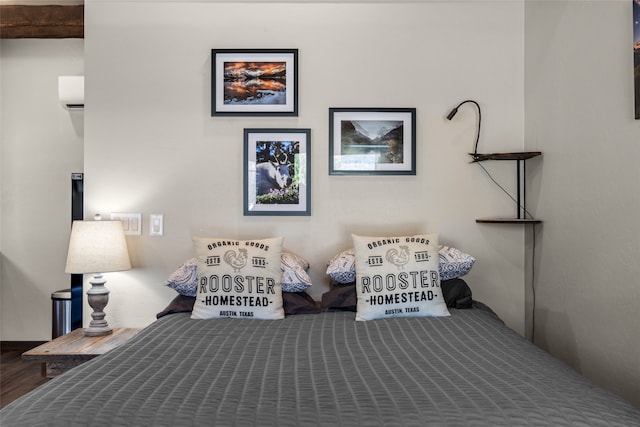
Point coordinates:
[(74, 348)]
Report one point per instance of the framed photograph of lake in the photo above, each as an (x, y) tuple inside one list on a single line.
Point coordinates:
[(277, 172), (372, 141), (254, 82)]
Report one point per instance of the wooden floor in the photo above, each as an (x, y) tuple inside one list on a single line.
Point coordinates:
[(17, 376)]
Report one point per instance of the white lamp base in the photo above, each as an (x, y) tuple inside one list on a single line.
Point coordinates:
[(98, 297)]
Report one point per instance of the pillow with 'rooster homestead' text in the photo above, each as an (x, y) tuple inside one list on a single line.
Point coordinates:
[(238, 278), (398, 277), (294, 275), (453, 264)]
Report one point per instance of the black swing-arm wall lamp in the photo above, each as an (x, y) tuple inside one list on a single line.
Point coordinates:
[(455, 111)]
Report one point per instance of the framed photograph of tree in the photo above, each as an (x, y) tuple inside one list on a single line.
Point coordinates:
[(277, 172)]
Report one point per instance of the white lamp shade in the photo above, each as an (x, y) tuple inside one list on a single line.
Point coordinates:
[(97, 247)]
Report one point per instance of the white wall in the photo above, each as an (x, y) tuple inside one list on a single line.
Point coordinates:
[(151, 145), (41, 145), (579, 112)]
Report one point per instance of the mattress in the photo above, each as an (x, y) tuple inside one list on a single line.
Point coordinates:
[(325, 369)]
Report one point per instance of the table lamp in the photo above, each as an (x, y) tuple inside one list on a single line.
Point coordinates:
[(97, 247)]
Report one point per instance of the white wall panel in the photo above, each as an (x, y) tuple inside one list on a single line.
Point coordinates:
[(152, 145)]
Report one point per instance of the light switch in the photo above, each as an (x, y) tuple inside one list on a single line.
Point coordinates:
[(156, 226), (131, 222)]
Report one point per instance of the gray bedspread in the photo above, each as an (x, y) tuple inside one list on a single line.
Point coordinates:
[(325, 369)]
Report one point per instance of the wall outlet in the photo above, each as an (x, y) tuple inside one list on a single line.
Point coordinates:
[(156, 225), (131, 222)]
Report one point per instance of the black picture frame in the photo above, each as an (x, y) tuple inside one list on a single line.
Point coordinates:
[(372, 141), (277, 172), (254, 82), (636, 55)]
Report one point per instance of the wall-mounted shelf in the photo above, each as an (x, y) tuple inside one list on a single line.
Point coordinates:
[(508, 221), (520, 158), (525, 155)]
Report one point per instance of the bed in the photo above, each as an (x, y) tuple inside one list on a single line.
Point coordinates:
[(319, 366), (323, 369)]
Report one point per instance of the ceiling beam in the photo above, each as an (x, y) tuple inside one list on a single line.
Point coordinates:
[(41, 22)]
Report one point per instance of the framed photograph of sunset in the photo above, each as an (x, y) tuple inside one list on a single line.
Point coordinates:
[(254, 82)]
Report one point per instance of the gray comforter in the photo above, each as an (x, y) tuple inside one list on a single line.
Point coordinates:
[(325, 369)]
